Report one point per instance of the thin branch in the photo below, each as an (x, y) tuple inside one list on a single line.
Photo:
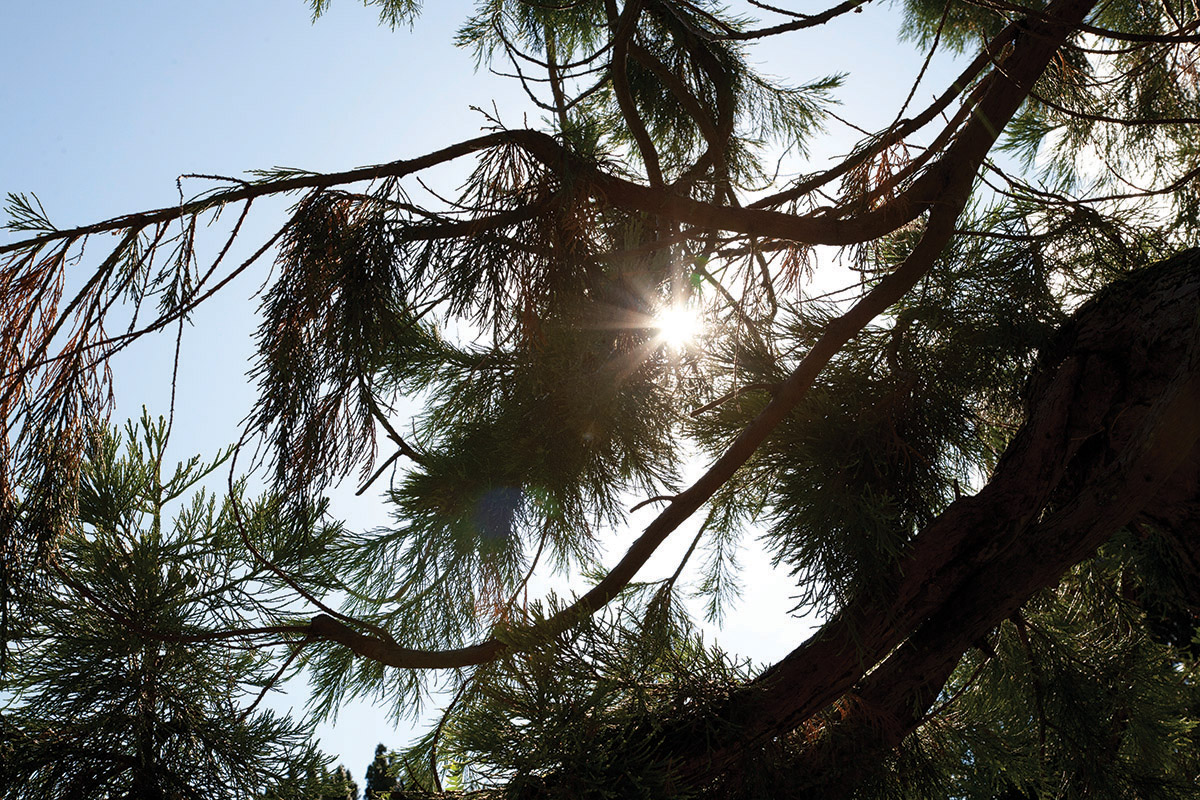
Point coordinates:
[(382, 468), (725, 398), (625, 28), (1038, 681), (141, 220), (274, 679), (437, 733), (1092, 117), (405, 449), (799, 24), (658, 498)]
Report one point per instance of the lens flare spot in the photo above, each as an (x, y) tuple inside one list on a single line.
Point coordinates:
[(678, 327)]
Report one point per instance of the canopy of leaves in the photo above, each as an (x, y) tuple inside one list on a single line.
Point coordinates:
[(983, 483)]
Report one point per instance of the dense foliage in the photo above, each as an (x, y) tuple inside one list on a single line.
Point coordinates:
[(984, 483), (118, 687)]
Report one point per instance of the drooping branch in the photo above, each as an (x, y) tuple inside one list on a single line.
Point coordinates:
[(960, 164), (941, 191), (269, 187), (624, 27)]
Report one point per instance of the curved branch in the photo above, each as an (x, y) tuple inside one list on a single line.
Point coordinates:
[(141, 220), (910, 679), (999, 103), (687, 502), (625, 28)]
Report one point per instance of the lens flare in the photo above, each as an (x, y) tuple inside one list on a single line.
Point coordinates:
[(678, 327)]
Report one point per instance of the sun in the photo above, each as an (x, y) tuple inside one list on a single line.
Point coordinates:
[(678, 327)]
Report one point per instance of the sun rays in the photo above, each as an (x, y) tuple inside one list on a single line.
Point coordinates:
[(678, 327)]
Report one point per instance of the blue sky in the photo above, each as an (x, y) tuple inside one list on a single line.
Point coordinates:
[(107, 103)]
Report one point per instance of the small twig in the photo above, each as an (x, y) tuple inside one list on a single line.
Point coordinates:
[(529, 572), (378, 472), (658, 498), (750, 387), (404, 448), (1023, 634), (686, 557), (275, 678), (801, 22), (437, 733)]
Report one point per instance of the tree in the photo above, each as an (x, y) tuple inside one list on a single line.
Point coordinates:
[(117, 688), (393, 774), (381, 774), (342, 786), (982, 480), (319, 783)]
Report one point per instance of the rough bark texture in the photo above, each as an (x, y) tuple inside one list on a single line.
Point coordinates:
[(1111, 438)]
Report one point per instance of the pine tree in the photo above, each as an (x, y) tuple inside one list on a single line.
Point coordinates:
[(978, 460), (120, 681), (381, 775), (339, 786)]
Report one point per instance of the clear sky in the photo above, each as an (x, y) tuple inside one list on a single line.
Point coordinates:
[(106, 103)]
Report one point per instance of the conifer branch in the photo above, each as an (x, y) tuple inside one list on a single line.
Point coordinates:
[(997, 104)]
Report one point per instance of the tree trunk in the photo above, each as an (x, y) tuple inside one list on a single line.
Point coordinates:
[(1113, 419)]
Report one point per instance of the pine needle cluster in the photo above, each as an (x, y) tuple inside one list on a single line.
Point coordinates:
[(957, 418)]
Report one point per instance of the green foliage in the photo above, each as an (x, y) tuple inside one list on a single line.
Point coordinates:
[(700, 100), (122, 681), (905, 417), (392, 13), (26, 213), (328, 322), (1078, 701), (501, 342), (338, 785), (587, 716)]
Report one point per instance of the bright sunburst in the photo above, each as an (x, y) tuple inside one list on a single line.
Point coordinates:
[(678, 327)]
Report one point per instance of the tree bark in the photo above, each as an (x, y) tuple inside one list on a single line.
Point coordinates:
[(1113, 421)]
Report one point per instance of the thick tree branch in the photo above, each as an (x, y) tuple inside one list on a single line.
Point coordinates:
[(996, 107), (986, 555), (912, 677)]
